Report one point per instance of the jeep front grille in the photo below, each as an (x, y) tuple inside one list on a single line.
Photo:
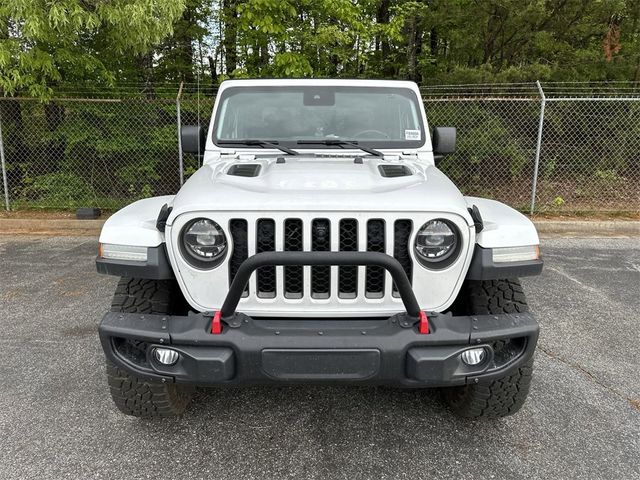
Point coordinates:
[(345, 234)]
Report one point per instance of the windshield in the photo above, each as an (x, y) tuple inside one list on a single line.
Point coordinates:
[(378, 117)]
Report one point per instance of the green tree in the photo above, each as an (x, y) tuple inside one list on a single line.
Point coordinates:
[(178, 53), (516, 40), (435, 41), (45, 43)]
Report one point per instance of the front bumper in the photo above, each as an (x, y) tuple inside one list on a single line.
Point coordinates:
[(378, 351), (404, 349)]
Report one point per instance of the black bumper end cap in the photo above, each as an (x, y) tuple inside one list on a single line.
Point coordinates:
[(201, 365), (435, 365), (483, 267), (157, 266)]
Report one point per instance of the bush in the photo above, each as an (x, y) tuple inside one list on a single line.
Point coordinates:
[(62, 190)]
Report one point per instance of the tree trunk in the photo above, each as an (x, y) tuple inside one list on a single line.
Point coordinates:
[(264, 55), (214, 70), (382, 17), (230, 34), (16, 150), (55, 150), (184, 44), (433, 42), (145, 68), (412, 47)]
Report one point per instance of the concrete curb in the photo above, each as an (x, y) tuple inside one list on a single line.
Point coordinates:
[(72, 227), (588, 228), (45, 226)]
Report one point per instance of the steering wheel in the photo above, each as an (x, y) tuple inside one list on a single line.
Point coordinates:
[(367, 132)]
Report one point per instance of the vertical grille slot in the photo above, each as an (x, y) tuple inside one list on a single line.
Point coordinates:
[(320, 242), (374, 285), (348, 276), (266, 242), (238, 229), (401, 235), (293, 276)]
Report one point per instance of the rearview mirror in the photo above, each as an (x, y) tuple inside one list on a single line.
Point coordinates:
[(444, 140), (193, 139)]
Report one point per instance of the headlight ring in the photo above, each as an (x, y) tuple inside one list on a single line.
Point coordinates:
[(203, 243), (437, 244)]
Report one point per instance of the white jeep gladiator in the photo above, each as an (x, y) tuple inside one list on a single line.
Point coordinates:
[(319, 242)]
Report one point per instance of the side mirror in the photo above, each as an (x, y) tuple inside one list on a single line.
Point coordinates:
[(193, 139), (444, 140)]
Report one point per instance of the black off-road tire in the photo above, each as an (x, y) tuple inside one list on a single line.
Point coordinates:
[(141, 398), (503, 396), (495, 296), (132, 395)]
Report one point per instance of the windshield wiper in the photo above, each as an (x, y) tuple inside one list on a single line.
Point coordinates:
[(260, 143), (341, 142)]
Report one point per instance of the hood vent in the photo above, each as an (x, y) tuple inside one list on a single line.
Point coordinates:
[(244, 170), (392, 171)]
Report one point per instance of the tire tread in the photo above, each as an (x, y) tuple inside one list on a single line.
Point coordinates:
[(503, 396), (132, 395)]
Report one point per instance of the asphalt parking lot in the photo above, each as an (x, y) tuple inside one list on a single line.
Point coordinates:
[(57, 421)]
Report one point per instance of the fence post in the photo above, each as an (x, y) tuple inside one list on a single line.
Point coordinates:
[(179, 121), (5, 183), (543, 104)]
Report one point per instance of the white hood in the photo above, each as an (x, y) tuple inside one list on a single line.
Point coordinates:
[(319, 184)]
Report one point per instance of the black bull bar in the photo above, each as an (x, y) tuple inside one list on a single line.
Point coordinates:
[(315, 259)]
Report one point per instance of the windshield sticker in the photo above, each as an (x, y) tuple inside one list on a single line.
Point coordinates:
[(412, 134)]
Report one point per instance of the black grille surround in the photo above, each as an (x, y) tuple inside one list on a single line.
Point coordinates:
[(266, 242), (374, 283), (348, 276), (320, 242), (239, 235), (293, 276), (402, 234), (344, 232)]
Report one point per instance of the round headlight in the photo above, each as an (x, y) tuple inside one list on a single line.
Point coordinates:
[(204, 243), (437, 244)]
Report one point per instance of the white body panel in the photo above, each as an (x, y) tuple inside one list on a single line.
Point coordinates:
[(135, 224), (503, 226), (319, 184)]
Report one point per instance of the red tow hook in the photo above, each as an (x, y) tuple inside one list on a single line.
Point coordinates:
[(423, 325), (216, 324)]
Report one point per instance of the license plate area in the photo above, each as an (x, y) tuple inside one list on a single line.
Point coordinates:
[(321, 364)]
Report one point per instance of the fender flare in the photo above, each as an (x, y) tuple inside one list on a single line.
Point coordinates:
[(136, 225), (503, 226)]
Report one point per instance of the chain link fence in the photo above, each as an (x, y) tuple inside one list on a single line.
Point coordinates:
[(544, 148), (497, 137), (97, 152)]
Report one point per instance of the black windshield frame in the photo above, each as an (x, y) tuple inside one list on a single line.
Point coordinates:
[(372, 143)]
